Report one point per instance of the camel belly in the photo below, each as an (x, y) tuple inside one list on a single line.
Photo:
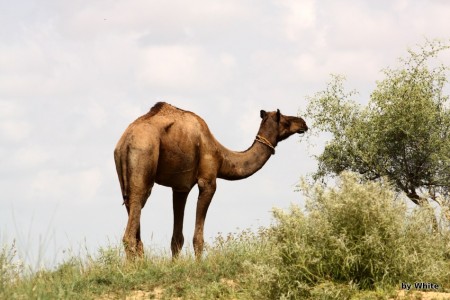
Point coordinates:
[(179, 182), (177, 170)]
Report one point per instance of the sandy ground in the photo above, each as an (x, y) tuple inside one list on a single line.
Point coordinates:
[(402, 295), (417, 295)]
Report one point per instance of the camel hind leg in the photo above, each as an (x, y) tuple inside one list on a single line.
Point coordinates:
[(139, 249), (141, 171)]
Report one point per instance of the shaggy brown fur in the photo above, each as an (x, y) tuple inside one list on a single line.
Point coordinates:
[(175, 148)]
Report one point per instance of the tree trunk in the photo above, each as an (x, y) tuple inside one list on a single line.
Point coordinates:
[(423, 202)]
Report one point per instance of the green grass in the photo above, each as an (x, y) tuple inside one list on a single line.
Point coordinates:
[(224, 273), (355, 241)]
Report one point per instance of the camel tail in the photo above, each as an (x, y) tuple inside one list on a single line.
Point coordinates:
[(121, 168)]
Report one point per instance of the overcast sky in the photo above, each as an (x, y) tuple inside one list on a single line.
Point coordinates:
[(74, 74)]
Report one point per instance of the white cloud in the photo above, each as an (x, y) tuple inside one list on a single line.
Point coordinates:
[(171, 66), (183, 68), (13, 124), (54, 185), (24, 69), (308, 67), (358, 27), (139, 17), (30, 156), (400, 5), (97, 114), (129, 111), (317, 68), (14, 130), (300, 16), (90, 181), (249, 120), (9, 109), (227, 60)]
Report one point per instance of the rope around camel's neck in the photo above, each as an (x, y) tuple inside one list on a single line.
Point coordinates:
[(266, 142)]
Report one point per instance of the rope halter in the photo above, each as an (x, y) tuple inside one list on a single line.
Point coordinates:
[(264, 141)]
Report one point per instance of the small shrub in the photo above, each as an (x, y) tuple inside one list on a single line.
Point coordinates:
[(355, 234), (11, 268)]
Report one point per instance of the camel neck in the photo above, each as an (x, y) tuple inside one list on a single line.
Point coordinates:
[(240, 165)]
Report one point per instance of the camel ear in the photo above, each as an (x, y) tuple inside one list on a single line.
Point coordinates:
[(262, 113), (278, 115)]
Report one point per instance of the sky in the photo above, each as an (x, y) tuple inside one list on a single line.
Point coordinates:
[(74, 74)]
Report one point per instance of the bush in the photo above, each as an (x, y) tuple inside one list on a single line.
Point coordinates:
[(356, 234)]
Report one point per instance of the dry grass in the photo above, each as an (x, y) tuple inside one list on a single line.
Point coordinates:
[(416, 295)]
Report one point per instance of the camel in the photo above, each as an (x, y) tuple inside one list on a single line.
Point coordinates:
[(175, 148)]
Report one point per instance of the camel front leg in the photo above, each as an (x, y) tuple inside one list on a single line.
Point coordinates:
[(139, 245), (207, 189), (179, 203)]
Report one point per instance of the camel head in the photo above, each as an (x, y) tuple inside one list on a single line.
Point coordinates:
[(274, 124)]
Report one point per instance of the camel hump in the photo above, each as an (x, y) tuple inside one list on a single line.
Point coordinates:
[(163, 115), (164, 109), (160, 108)]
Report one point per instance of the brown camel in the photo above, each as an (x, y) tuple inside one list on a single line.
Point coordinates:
[(175, 148)]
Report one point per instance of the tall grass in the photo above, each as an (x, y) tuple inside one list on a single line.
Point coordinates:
[(352, 241)]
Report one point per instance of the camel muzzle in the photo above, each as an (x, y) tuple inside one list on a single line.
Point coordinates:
[(303, 130)]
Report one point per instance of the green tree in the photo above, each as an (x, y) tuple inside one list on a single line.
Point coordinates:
[(403, 133)]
